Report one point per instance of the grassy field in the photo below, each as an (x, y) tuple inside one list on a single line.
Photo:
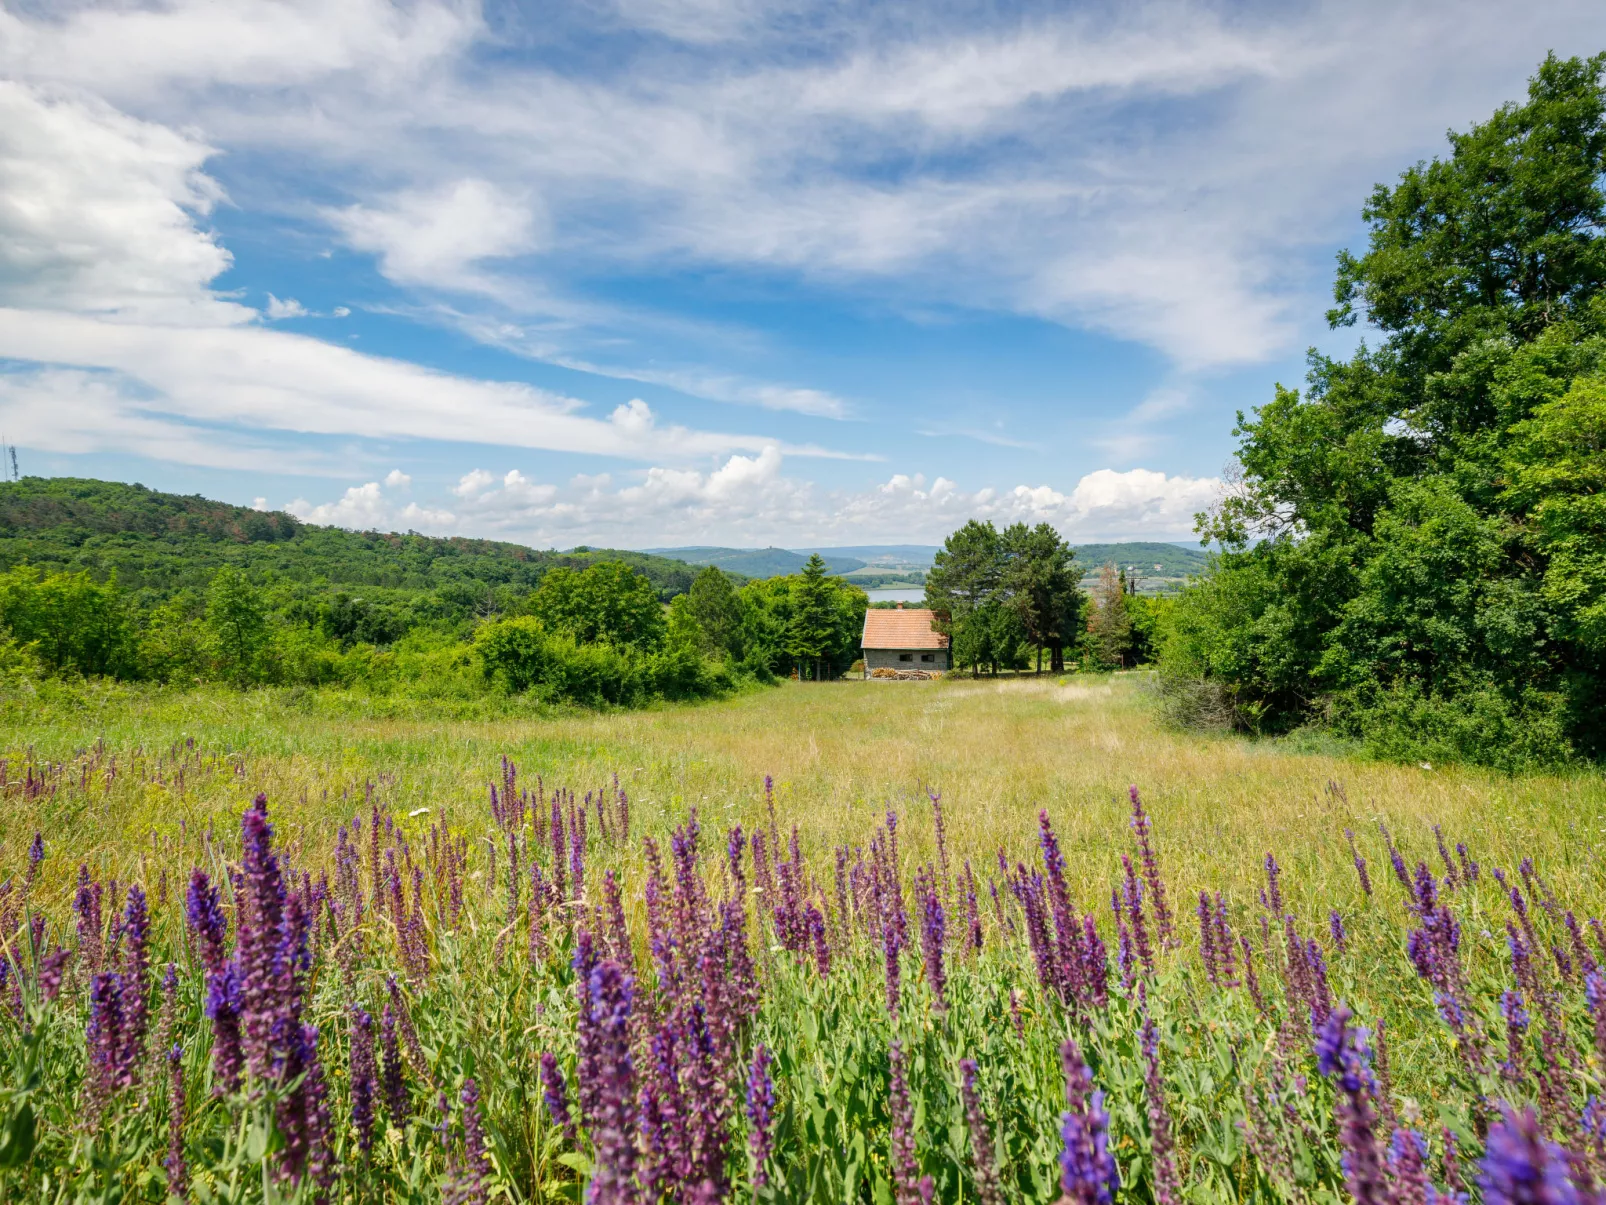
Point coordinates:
[(841, 754), (140, 786)]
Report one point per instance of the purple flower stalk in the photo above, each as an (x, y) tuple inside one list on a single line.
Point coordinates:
[(1207, 939), (608, 1078), (905, 1166), (1516, 1018), (363, 1078), (1133, 898), (1151, 870), (1595, 997), (983, 1161), (932, 937), (822, 946), (1360, 863), (1342, 1055), (133, 987), (36, 855), (1408, 1166), (207, 922), (894, 976), (1274, 889), (477, 1165), (1088, 1171), (1521, 1166), (760, 1114), (1335, 925), (1162, 1148), (555, 1092), (393, 1078), (178, 1173)]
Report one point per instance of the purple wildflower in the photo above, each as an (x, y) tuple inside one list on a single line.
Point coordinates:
[(36, 855), (1274, 897), (822, 947), (178, 1174), (1595, 997), (1521, 1166), (1151, 870), (555, 1092), (1360, 863), (103, 1038), (1133, 899), (472, 1187), (1342, 1055), (760, 1113), (905, 1166), (1335, 925), (1408, 1166), (610, 1070), (983, 1160), (223, 1010), (1516, 1018), (132, 987), (1451, 875), (392, 1075), (932, 937), (1088, 1171), (1162, 1151), (363, 1082), (51, 969), (1207, 939)]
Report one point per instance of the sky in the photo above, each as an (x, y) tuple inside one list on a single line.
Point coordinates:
[(642, 273)]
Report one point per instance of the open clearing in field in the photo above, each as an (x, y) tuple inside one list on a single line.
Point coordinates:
[(841, 754)]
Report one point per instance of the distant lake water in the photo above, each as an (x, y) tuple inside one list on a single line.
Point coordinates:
[(903, 594)]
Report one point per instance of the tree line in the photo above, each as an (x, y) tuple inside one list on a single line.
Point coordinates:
[(1415, 544), (1004, 598), (598, 636)]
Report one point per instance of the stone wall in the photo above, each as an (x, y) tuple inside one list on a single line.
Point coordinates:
[(875, 659)]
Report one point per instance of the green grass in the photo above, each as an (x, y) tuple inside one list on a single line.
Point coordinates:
[(841, 754)]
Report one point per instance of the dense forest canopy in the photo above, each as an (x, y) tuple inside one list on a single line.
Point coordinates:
[(1416, 545)]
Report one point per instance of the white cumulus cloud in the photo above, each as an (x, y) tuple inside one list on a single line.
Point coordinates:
[(749, 500), (440, 236)]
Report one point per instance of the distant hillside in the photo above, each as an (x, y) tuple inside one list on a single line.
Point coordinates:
[(877, 564), (892, 557), (1150, 560), (159, 543), (756, 562)]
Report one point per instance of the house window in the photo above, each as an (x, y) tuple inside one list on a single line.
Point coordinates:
[(927, 657), (906, 656)]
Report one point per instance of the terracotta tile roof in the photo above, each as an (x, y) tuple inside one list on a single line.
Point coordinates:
[(904, 628)]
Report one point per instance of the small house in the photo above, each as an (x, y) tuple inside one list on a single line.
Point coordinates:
[(903, 642)]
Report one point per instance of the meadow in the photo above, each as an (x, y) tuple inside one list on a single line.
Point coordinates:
[(790, 1015)]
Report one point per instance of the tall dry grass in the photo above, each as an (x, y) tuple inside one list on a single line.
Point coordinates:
[(841, 754)]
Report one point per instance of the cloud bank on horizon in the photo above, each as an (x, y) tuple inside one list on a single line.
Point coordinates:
[(725, 271)]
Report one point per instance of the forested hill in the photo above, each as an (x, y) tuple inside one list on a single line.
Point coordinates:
[(158, 544), (1156, 560)]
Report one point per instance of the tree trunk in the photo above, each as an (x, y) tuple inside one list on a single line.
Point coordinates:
[(1039, 659), (1056, 659)]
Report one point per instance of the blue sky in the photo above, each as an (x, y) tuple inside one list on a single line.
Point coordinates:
[(652, 272)]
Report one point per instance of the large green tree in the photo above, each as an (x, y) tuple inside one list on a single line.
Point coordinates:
[(1411, 550), (609, 602), (237, 621), (1040, 581), (717, 608), (813, 616)]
